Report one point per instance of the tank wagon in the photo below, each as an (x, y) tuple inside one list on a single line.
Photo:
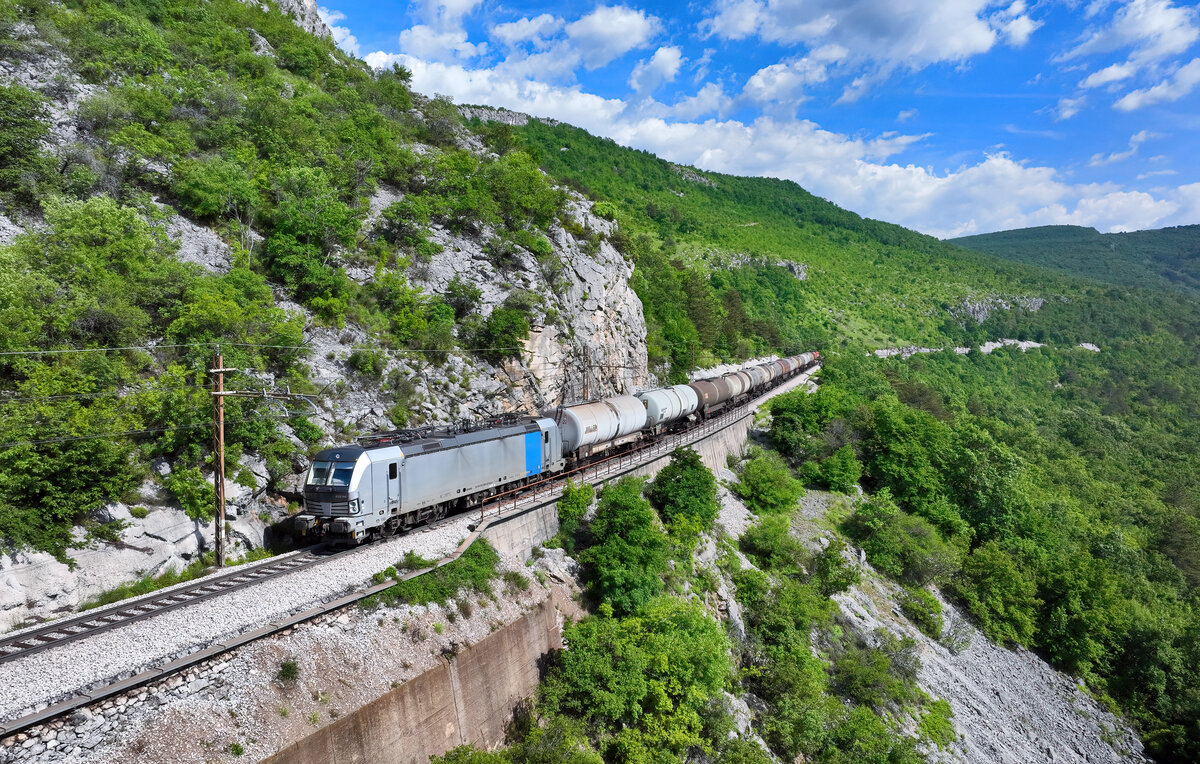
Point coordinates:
[(392, 481)]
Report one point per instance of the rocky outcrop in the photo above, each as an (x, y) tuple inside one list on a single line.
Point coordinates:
[(304, 13), (978, 309)]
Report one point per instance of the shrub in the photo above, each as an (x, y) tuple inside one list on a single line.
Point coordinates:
[(606, 210), (935, 726), (139, 512), (924, 610), (685, 490), (289, 671), (236, 749), (625, 565), (831, 571), (196, 495), (766, 484), (576, 498)]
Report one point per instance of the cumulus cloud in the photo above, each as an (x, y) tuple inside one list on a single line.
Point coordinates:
[(1183, 81), (428, 43), (662, 67), (609, 32), (1154, 30), (879, 36), (787, 80), (342, 36), (535, 31), (1108, 75)]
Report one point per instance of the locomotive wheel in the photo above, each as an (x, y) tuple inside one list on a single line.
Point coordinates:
[(439, 512)]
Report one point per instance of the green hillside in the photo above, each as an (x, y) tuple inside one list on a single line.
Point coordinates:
[(1165, 257)]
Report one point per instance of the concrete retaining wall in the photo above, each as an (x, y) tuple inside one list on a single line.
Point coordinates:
[(468, 698)]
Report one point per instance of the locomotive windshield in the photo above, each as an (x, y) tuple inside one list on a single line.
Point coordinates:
[(331, 473)]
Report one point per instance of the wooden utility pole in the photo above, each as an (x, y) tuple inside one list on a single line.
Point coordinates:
[(219, 453)]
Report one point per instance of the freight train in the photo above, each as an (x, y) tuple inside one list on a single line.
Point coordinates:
[(393, 481)]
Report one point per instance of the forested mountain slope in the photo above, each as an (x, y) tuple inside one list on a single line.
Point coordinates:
[(1164, 257)]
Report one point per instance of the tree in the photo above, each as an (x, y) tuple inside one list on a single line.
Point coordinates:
[(685, 491), (629, 555), (999, 594), (640, 683), (766, 484)]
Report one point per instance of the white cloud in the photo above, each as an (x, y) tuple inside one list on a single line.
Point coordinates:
[(428, 43), (662, 67), (907, 115), (1183, 81), (536, 31), (1154, 29), (1068, 107), (1108, 75), (1135, 141), (710, 99), (1156, 173), (879, 37), (341, 35), (610, 32)]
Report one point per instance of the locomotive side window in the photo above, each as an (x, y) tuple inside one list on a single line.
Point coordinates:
[(392, 471)]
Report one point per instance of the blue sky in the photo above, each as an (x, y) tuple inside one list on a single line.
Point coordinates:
[(948, 116)]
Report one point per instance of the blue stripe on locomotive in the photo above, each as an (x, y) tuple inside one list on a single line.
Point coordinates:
[(533, 453)]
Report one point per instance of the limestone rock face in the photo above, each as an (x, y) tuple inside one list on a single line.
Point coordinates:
[(304, 13)]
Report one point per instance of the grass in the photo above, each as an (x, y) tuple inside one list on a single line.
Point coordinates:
[(147, 584), (473, 570)]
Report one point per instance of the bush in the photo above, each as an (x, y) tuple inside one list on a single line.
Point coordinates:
[(831, 572), (196, 495), (289, 671), (685, 491), (766, 484), (923, 610), (624, 567), (576, 498), (904, 546)]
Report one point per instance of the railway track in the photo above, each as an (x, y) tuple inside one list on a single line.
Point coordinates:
[(121, 614)]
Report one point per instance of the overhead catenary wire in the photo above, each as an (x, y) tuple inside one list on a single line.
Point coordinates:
[(131, 433)]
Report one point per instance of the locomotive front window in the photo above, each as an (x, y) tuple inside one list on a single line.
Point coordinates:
[(319, 474), (341, 474), (331, 473)]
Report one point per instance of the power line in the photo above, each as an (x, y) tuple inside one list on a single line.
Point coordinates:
[(80, 396), (128, 433)]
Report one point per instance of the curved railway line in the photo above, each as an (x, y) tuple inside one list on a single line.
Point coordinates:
[(34, 640)]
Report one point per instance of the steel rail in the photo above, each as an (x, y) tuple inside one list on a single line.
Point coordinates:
[(120, 614)]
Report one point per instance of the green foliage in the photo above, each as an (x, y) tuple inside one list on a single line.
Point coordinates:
[(473, 570), (766, 484), (628, 556), (24, 123), (208, 188), (924, 610), (685, 492), (999, 594), (576, 498), (841, 471), (769, 542), (878, 675), (503, 334), (935, 726), (606, 210), (639, 683), (904, 546), (194, 493), (289, 671), (831, 572)]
